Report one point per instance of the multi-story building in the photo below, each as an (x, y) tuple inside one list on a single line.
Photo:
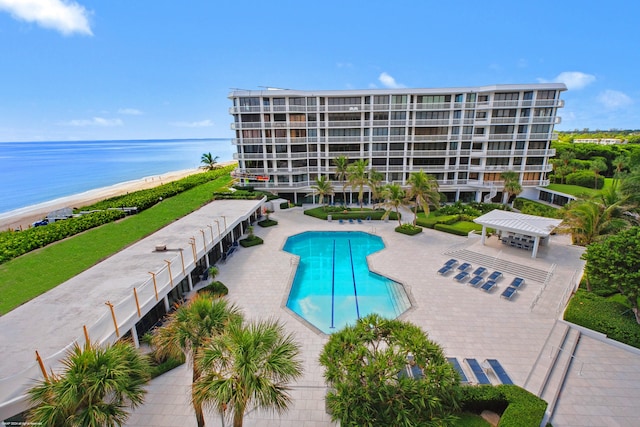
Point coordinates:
[(465, 137)]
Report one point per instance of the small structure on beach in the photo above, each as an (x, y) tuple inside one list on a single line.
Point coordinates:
[(60, 214)]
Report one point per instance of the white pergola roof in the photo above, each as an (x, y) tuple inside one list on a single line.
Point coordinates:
[(529, 225)]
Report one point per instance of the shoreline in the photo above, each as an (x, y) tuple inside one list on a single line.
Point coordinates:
[(22, 218)]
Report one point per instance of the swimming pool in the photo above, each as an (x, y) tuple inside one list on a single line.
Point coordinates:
[(333, 286)]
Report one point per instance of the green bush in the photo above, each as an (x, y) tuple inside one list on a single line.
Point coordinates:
[(431, 221), (339, 213), (216, 288), (251, 241), (284, 205), (165, 365), (408, 229), (518, 407), (460, 228), (603, 315), (585, 178), (531, 207), (267, 223)]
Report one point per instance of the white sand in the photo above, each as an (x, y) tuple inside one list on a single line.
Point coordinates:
[(24, 217)]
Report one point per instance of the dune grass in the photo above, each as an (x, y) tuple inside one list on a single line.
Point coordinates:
[(30, 275)]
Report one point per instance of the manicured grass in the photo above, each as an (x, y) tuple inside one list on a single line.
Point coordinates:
[(577, 191), (468, 419), (37, 272)]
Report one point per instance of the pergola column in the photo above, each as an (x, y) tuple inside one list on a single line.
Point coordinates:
[(484, 234), (536, 243)]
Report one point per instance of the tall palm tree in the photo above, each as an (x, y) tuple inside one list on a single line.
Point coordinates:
[(589, 220), (511, 184), (249, 366), (358, 176), (94, 389), (188, 330), (597, 165), (394, 197), (424, 189), (342, 163), (375, 181), (323, 187), (209, 162)]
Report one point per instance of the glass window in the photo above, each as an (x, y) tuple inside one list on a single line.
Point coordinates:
[(399, 99), (381, 99), (278, 101), (471, 97), (546, 94), (527, 96), (296, 101), (250, 102), (506, 96), (459, 98)]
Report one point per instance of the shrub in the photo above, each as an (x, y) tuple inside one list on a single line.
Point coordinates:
[(408, 229), (586, 179), (251, 241), (267, 223), (342, 213), (164, 365), (603, 315), (460, 228), (431, 221), (531, 207), (216, 288), (517, 406), (284, 205)]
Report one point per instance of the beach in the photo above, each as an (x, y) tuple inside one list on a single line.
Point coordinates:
[(23, 218)]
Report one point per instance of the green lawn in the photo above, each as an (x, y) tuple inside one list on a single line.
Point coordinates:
[(33, 274), (577, 191)]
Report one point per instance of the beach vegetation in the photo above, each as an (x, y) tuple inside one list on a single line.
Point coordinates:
[(367, 365), (209, 161), (96, 387), (249, 366)]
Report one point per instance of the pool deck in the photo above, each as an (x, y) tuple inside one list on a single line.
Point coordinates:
[(602, 383)]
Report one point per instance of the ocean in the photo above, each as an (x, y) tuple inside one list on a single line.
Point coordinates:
[(37, 172)]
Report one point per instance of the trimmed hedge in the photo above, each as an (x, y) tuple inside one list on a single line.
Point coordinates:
[(531, 207), (339, 213), (518, 407), (408, 229), (431, 221), (216, 288), (460, 228), (603, 315), (267, 223), (585, 178), (251, 241)]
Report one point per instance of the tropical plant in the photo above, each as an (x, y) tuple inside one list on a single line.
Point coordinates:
[(394, 196), (322, 187), (342, 164), (366, 369), (511, 184), (423, 189), (358, 177), (588, 220), (598, 165), (188, 330), (209, 161), (619, 164), (248, 366), (95, 388), (375, 184)]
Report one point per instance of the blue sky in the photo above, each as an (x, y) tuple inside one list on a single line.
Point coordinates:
[(122, 69)]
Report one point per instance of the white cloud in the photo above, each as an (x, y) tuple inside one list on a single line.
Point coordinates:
[(130, 111), (200, 124), (613, 99), (575, 79), (389, 82), (95, 121), (65, 16), (522, 63)]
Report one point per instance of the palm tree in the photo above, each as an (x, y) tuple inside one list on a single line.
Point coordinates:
[(511, 184), (619, 163), (323, 187), (342, 163), (375, 179), (94, 389), (357, 175), (589, 220), (249, 365), (188, 330), (394, 197), (424, 189), (597, 165), (209, 162)]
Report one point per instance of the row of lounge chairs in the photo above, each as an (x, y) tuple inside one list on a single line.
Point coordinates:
[(342, 221), (481, 371), (477, 279)]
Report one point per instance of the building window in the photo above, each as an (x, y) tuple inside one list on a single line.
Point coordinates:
[(433, 99), (504, 113), (250, 102), (427, 115), (312, 102), (459, 98), (398, 131), (546, 94), (507, 96), (381, 99), (481, 115), (471, 97), (483, 98), (528, 96), (380, 131), (344, 101), (398, 99), (380, 116), (278, 101), (399, 115), (540, 128), (296, 101)]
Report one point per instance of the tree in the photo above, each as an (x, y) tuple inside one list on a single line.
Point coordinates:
[(342, 164), (357, 175), (249, 365), (366, 370), (619, 164), (394, 197), (95, 388), (323, 187), (209, 162), (511, 184), (615, 263), (589, 220), (598, 165), (424, 190), (188, 330), (375, 181)]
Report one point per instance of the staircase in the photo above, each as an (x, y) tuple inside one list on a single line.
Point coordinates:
[(492, 193)]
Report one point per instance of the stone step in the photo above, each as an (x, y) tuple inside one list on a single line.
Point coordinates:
[(541, 369), (554, 383)]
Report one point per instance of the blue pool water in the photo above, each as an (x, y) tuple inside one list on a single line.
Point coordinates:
[(333, 286)]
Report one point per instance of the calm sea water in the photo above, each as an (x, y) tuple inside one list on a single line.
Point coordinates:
[(36, 172)]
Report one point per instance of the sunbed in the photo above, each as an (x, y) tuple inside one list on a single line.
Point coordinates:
[(445, 270), (477, 371), (518, 282), (488, 285), (456, 365), (475, 281), (499, 371), (494, 276), (452, 262), (480, 271), (464, 267), (462, 276), (509, 292)]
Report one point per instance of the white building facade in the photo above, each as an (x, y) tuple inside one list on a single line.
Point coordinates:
[(464, 137)]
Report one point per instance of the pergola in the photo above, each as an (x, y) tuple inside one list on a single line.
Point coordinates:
[(531, 226)]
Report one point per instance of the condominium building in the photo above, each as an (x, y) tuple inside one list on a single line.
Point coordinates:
[(465, 137)]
